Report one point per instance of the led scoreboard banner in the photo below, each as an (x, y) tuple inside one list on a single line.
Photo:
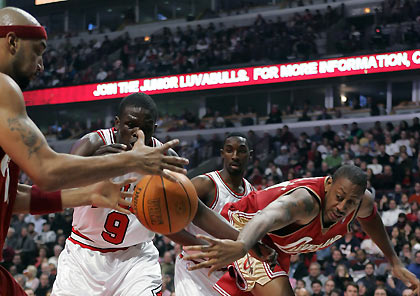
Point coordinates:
[(328, 68)]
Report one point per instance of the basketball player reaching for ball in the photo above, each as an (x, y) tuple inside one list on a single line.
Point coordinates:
[(22, 145), (109, 252), (297, 216), (215, 189)]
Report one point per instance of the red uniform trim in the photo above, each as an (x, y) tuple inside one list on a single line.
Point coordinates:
[(216, 192), (75, 231), (233, 191), (108, 250), (102, 137)]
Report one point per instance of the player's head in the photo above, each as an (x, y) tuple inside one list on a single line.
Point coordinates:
[(344, 192), (21, 46), (235, 153), (136, 111)]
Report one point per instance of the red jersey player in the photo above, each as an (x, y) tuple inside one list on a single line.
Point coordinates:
[(297, 216)]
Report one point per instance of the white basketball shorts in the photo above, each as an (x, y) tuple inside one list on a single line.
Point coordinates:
[(134, 271)]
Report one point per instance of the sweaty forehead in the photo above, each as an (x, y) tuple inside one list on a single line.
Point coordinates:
[(137, 113)]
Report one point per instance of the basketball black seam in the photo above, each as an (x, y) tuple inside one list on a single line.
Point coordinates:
[(167, 207), (144, 194), (189, 201)]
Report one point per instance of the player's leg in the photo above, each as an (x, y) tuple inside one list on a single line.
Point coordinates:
[(278, 286), (194, 283), (143, 274), (80, 272)]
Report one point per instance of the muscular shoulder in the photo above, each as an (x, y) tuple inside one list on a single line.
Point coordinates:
[(87, 145), (366, 207), (302, 205), (205, 188), (11, 95)]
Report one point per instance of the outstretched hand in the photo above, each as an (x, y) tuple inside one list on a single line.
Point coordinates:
[(407, 277), (218, 254), (108, 194), (154, 161)]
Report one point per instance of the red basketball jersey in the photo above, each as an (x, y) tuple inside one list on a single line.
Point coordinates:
[(9, 175), (294, 238)]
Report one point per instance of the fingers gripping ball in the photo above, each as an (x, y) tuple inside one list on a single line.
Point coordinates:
[(163, 206)]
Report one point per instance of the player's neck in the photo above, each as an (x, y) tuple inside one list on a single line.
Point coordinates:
[(234, 181)]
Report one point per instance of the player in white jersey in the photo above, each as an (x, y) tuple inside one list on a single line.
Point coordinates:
[(110, 253), (215, 189)]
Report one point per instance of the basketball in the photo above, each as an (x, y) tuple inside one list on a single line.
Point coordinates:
[(163, 206)]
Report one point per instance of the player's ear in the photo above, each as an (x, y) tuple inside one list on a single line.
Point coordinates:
[(117, 122), (12, 42), (328, 183)]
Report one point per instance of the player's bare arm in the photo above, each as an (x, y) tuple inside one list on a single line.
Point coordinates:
[(372, 224), (205, 218), (298, 207), (92, 145), (26, 145), (105, 194)]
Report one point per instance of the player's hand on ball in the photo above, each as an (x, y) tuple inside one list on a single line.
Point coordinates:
[(112, 148), (108, 194), (218, 254), (153, 161)]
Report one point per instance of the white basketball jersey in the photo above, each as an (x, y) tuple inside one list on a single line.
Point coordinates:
[(100, 228), (223, 195)]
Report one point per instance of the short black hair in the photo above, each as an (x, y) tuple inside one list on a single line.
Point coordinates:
[(238, 135), (353, 285), (355, 174), (316, 282), (139, 100)]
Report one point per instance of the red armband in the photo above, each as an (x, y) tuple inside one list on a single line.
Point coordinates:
[(44, 202), (371, 216)]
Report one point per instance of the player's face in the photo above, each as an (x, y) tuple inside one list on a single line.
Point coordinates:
[(27, 61), (235, 154), (342, 198), (133, 119)]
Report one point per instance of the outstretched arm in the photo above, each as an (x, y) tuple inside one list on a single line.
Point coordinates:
[(297, 207), (105, 194), (25, 144), (372, 224)]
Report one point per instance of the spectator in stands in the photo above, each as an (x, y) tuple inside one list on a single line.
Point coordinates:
[(44, 286), (386, 180), (26, 246), (297, 269), (348, 245), (275, 115), (314, 274), (342, 277), (31, 281), (375, 166), (390, 217), (414, 267), (335, 260), (324, 115), (316, 287), (357, 266), (333, 160), (415, 197), (404, 205), (329, 286), (351, 290)]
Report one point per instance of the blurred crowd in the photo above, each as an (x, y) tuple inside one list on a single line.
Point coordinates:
[(388, 153), (184, 50), (200, 48)]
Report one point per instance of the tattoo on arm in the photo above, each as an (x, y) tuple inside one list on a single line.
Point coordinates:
[(28, 136)]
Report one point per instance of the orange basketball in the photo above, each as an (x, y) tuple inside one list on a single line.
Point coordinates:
[(163, 206)]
